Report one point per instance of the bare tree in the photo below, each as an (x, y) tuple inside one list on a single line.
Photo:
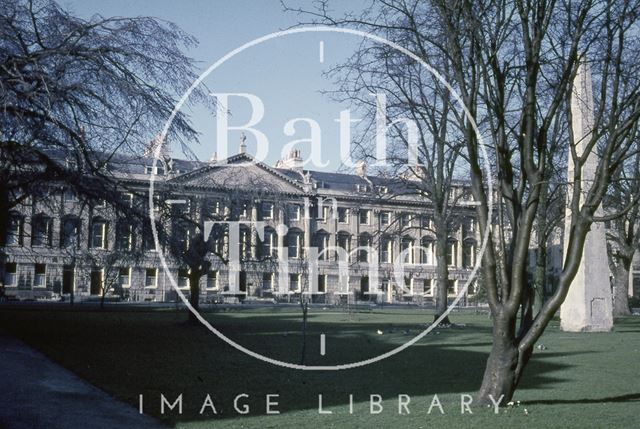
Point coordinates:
[(377, 77), (519, 61), (196, 233), (623, 234), (301, 268), (514, 64), (75, 93)]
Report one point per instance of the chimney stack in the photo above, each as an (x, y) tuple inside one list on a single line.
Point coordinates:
[(293, 161)]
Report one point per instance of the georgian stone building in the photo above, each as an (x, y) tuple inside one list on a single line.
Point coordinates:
[(61, 246)]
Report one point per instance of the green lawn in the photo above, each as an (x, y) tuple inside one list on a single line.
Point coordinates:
[(580, 380)]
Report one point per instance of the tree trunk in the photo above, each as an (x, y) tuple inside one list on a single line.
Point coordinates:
[(442, 280), (540, 272), (621, 289), (4, 214), (303, 346), (194, 293), (500, 376), (540, 278), (4, 228)]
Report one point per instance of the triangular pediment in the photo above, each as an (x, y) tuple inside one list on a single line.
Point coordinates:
[(241, 172)]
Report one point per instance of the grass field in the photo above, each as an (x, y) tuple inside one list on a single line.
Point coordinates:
[(578, 381)]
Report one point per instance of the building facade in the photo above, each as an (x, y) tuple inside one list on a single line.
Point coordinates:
[(60, 246)]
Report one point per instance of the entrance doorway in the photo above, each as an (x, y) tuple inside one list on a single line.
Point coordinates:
[(364, 288), (96, 282), (243, 281), (68, 279)]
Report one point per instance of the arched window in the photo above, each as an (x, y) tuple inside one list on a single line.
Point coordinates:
[(426, 250), (99, 229), (407, 249), (70, 232), (41, 226), (321, 241), (217, 239)]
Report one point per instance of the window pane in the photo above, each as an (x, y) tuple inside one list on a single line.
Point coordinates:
[(14, 235), (125, 236), (267, 281), (10, 276), (99, 234), (41, 231), (322, 283), (294, 282), (212, 280), (150, 277), (343, 215), (124, 276), (364, 217), (70, 229), (384, 218), (294, 245), (183, 278), (39, 278)]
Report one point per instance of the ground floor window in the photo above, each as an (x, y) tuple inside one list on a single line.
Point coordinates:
[(68, 279), (364, 284), (183, 278), (294, 282), (408, 286), (39, 277), (243, 281), (322, 283), (471, 289), (125, 276), (267, 281), (150, 278), (428, 286), (96, 282), (212, 280), (10, 277), (451, 287)]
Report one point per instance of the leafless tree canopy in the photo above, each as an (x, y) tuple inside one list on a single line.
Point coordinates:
[(514, 64), (86, 89)]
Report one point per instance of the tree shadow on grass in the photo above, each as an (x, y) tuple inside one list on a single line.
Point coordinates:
[(631, 397), (438, 364), (152, 354)]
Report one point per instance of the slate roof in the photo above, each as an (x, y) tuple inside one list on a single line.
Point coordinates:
[(327, 183)]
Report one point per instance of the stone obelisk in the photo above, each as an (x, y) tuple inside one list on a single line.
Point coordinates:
[(588, 305)]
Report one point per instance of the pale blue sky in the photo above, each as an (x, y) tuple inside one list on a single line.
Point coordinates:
[(285, 73)]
